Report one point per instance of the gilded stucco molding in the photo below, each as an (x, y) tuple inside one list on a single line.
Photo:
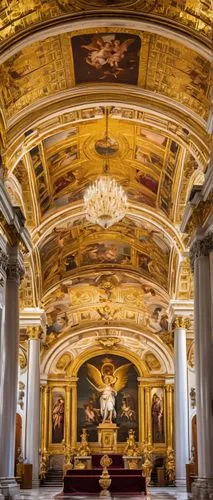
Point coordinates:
[(98, 19)]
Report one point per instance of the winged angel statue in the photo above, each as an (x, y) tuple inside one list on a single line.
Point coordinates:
[(108, 382), (109, 52)]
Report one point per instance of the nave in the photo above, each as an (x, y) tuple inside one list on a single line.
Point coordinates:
[(106, 247)]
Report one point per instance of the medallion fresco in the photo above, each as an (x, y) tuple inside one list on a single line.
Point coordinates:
[(94, 376), (108, 253), (106, 57)]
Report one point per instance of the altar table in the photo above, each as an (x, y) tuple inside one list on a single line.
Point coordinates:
[(124, 481)]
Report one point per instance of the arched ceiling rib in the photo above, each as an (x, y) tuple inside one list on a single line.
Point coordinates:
[(18, 20)]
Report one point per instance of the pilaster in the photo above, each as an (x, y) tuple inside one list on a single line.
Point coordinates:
[(181, 324), (33, 402)]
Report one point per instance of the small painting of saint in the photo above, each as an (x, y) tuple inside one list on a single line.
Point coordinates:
[(58, 418), (107, 57), (157, 416)]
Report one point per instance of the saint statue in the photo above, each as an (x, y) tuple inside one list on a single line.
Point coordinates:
[(108, 382)]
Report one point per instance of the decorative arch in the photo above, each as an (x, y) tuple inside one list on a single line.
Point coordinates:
[(120, 351)]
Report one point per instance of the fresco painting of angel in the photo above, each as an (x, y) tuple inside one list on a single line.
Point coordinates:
[(106, 56), (108, 382)]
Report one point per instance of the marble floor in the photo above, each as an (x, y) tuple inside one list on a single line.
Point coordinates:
[(153, 494)]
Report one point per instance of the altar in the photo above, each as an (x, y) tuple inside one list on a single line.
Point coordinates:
[(123, 481)]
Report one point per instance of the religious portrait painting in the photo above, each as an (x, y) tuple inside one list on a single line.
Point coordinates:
[(51, 141), (147, 181), (61, 159), (157, 411), (107, 392), (150, 135), (58, 396), (106, 57), (106, 253)]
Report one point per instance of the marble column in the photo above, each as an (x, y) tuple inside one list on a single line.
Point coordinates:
[(33, 403), (181, 402), (201, 260), (3, 276), (9, 374)]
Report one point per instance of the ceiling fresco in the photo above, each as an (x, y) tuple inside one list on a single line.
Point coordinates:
[(18, 16), (125, 246), (148, 61), (105, 299), (64, 164), (60, 98)]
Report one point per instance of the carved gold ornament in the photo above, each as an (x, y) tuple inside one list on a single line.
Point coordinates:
[(108, 341)]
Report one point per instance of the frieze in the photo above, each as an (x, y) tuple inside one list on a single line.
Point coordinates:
[(201, 248)]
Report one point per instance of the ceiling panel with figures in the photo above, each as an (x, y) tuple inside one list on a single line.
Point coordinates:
[(148, 61), (121, 101)]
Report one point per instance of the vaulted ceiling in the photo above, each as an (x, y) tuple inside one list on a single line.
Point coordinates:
[(68, 70)]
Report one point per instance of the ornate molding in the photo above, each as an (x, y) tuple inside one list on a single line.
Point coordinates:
[(34, 332), (201, 248), (108, 342), (182, 322)]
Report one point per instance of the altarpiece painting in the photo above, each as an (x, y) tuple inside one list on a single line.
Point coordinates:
[(107, 388)]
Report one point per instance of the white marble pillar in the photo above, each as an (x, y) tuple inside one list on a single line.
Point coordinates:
[(3, 276), (33, 403), (9, 374), (200, 254), (181, 402)]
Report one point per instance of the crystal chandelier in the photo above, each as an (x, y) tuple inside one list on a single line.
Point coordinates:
[(105, 202)]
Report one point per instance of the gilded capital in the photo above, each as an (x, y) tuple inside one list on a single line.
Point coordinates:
[(201, 248), (34, 332), (181, 322)]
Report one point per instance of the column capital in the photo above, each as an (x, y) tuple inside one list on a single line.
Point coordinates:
[(15, 272), (181, 322), (3, 260), (34, 332), (201, 247)]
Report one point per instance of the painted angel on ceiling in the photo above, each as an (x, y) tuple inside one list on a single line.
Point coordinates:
[(108, 52), (108, 382)]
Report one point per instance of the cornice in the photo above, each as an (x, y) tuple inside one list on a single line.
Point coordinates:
[(13, 221), (110, 18)]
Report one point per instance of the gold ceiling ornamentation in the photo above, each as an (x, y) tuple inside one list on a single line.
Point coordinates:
[(150, 62), (108, 342), (105, 202), (24, 15)]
